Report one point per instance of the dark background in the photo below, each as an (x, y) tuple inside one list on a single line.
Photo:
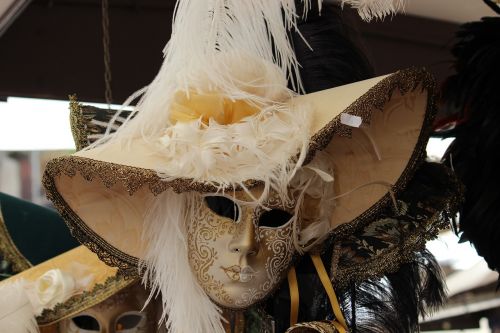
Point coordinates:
[(54, 48)]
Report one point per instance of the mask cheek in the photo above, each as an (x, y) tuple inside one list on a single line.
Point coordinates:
[(208, 239), (277, 243)]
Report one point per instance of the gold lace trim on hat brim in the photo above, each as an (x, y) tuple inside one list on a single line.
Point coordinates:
[(132, 178), (85, 300), (9, 251)]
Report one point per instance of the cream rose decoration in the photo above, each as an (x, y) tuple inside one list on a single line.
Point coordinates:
[(54, 287)]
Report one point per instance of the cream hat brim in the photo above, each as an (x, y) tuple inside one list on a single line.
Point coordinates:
[(103, 193), (105, 282)]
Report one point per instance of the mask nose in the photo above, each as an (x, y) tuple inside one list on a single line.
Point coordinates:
[(244, 239), (107, 328)]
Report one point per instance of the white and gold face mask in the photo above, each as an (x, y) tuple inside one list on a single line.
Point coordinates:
[(240, 251)]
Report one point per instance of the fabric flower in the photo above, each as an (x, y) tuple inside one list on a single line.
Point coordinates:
[(54, 287), (209, 106)]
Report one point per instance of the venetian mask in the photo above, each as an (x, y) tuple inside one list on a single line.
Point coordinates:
[(120, 313), (238, 250)]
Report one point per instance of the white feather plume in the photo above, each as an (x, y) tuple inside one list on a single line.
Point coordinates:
[(16, 311), (378, 9), (240, 50), (186, 307), (257, 148), (316, 182), (203, 33)]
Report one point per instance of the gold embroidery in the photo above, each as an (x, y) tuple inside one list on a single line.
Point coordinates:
[(78, 123), (312, 327), (392, 259), (9, 251), (201, 255), (133, 178), (85, 300)]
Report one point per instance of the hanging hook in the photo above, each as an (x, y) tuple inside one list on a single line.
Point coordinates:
[(107, 55)]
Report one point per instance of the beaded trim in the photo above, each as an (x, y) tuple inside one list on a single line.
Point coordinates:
[(313, 326), (389, 259), (133, 178), (127, 265), (404, 81), (78, 123), (89, 123), (9, 251), (85, 300)]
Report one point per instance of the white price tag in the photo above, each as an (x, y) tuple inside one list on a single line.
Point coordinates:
[(350, 120)]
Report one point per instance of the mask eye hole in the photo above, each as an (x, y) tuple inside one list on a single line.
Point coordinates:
[(128, 321), (86, 322), (223, 206), (274, 218)]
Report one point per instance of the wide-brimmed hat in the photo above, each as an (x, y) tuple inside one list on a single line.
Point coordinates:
[(57, 289), (381, 244), (390, 117), (220, 119)]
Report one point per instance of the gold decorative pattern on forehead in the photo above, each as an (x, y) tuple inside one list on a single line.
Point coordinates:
[(275, 201)]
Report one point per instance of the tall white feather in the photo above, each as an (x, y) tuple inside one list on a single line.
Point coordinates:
[(316, 182), (203, 31), (240, 50), (16, 312), (186, 308), (378, 9)]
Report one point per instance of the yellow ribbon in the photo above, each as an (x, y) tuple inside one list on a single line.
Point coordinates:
[(224, 111), (293, 285), (339, 322)]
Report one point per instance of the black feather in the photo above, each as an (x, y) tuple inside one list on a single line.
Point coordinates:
[(391, 304), (394, 303), (336, 58), (473, 94), (313, 301)]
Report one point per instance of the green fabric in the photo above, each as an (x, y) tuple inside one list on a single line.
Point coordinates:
[(39, 233)]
